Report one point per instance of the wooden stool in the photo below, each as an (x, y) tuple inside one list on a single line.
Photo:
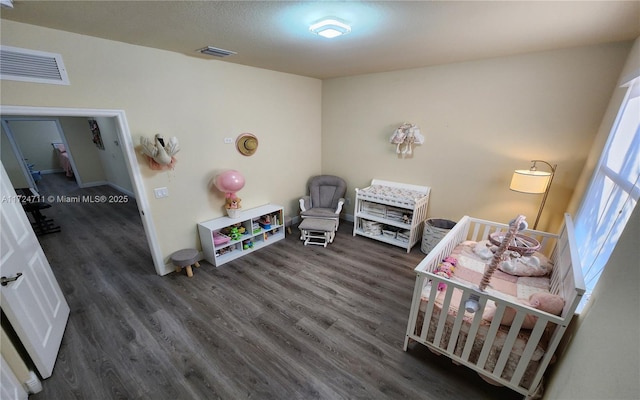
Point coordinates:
[(185, 258), (287, 224)]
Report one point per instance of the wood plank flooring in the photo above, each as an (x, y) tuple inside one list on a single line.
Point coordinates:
[(286, 322)]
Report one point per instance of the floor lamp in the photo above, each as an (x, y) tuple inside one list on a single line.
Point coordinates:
[(534, 182)]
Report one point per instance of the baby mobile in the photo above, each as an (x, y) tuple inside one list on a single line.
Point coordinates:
[(405, 137), (230, 182), (517, 224)]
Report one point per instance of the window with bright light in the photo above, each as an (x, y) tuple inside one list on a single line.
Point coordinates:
[(612, 194)]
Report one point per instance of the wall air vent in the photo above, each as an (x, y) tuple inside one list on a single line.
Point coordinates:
[(216, 52), (26, 65)]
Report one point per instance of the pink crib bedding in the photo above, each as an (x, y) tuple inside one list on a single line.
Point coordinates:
[(438, 318), (468, 271)]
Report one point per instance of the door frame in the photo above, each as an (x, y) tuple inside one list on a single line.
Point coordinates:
[(128, 149), (11, 386)]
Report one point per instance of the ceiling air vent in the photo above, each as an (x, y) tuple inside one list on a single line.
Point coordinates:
[(214, 51), (26, 65)]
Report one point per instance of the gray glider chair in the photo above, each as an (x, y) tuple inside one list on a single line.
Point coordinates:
[(325, 199)]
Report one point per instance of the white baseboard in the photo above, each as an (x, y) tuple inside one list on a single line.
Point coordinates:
[(107, 183), (93, 184), (122, 190)]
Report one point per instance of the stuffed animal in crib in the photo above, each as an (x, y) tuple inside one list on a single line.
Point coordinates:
[(445, 269), (443, 272), (544, 301), (451, 260)]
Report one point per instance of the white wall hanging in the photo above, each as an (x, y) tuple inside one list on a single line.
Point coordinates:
[(160, 153), (405, 137)]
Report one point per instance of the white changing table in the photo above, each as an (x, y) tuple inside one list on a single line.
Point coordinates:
[(396, 211)]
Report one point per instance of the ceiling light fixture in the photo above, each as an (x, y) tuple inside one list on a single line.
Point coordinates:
[(330, 28), (216, 52)]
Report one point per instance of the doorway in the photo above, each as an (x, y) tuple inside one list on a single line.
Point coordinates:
[(128, 152), (34, 141)]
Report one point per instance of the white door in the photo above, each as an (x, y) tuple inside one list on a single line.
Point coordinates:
[(33, 303)]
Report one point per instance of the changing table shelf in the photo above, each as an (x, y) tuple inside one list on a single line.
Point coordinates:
[(391, 212)]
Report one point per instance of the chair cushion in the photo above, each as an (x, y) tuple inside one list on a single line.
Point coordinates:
[(320, 213), (318, 224), (326, 190)]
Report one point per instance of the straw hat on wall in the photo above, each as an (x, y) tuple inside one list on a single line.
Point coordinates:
[(247, 144)]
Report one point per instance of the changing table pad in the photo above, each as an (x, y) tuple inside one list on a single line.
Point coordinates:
[(392, 194)]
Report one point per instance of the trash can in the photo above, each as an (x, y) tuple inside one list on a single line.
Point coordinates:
[(434, 230)]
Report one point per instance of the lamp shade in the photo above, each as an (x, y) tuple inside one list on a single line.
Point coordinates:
[(528, 181)]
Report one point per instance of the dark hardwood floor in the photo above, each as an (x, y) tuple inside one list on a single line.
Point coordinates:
[(286, 322)]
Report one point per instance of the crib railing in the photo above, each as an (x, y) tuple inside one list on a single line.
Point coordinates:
[(442, 335), (447, 344)]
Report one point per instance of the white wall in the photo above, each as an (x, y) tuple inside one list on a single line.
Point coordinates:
[(12, 357), (34, 139), (481, 121), (112, 158), (35, 135), (84, 152), (602, 360), (11, 163), (201, 102)]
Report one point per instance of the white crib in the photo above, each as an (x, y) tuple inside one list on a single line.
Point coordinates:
[(509, 356)]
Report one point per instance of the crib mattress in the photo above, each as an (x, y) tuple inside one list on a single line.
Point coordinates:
[(470, 269)]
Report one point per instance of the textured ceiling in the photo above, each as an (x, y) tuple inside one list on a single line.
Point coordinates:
[(386, 35)]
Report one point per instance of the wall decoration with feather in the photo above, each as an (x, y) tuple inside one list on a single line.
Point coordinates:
[(159, 152)]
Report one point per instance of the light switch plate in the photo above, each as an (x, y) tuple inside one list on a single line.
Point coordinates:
[(161, 192)]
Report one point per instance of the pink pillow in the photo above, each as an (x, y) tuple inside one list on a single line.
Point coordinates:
[(543, 301)]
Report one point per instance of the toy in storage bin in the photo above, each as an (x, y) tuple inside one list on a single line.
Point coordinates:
[(265, 222), (220, 239)]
